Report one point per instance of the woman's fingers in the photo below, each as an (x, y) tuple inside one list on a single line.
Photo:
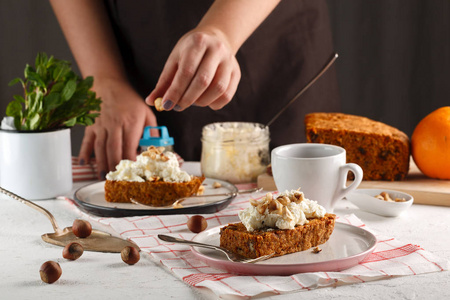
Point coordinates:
[(201, 81), (226, 97), (100, 153), (87, 146), (188, 57), (218, 86)]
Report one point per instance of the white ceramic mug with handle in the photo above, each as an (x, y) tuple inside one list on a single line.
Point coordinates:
[(320, 170)]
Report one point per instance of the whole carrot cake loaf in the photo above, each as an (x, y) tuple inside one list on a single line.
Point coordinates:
[(155, 178), (286, 224), (382, 151)]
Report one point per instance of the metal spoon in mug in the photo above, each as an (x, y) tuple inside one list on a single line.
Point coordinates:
[(321, 72), (231, 256)]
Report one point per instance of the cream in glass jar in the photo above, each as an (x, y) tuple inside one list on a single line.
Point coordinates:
[(236, 152)]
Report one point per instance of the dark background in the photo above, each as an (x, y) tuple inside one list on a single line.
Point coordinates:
[(393, 66)]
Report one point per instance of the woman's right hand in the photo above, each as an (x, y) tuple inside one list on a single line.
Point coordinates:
[(116, 132)]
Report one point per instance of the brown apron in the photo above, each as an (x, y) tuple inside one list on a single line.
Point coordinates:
[(281, 56)]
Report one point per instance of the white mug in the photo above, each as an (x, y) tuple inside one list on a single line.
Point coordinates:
[(36, 165), (319, 170)]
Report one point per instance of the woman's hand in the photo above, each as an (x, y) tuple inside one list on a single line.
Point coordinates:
[(201, 70), (116, 132)]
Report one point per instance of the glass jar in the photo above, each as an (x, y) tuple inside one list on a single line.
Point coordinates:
[(236, 152)]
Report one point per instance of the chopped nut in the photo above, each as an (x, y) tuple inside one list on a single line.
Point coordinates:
[(158, 104), (277, 205), (156, 153), (316, 250), (200, 190), (253, 202), (284, 200), (261, 208), (273, 205), (153, 179), (287, 213), (299, 197), (216, 185), (177, 204), (386, 197)]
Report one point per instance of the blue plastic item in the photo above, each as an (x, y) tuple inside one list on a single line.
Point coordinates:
[(163, 140)]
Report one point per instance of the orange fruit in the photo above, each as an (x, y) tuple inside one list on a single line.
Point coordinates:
[(430, 144)]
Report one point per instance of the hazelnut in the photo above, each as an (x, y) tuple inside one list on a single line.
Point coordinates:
[(158, 104), (197, 223), (73, 251), (81, 228), (130, 255), (50, 271)]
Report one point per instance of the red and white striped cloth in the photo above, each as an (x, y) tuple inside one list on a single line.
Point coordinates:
[(390, 258), (84, 172)]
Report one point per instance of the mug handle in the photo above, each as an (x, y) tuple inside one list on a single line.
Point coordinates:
[(343, 190)]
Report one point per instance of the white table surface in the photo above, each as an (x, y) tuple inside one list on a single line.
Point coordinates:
[(105, 276)]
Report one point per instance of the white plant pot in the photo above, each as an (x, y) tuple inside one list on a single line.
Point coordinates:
[(36, 165)]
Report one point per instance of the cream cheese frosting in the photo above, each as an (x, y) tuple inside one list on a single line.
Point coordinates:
[(151, 165), (286, 211)]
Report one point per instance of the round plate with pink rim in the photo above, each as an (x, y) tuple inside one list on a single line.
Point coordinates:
[(347, 246)]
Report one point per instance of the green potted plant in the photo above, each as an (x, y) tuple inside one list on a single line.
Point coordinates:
[(35, 157)]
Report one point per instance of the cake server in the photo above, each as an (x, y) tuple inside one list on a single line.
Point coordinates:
[(99, 241), (310, 83)]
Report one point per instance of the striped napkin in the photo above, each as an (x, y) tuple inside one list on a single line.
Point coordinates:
[(391, 257)]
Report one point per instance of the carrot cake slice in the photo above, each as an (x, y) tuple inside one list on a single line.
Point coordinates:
[(155, 178), (285, 224)]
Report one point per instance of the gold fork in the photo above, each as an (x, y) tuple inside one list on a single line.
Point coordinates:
[(234, 257)]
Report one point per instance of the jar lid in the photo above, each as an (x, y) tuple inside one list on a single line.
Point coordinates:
[(162, 141)]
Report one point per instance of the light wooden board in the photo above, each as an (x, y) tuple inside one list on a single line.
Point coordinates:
[(424, 190)]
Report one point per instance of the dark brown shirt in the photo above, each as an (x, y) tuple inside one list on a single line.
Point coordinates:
[(278, 59)]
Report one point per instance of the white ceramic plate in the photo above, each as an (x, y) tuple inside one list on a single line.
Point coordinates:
[(347, 246), (91, 198), (365, 200)]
